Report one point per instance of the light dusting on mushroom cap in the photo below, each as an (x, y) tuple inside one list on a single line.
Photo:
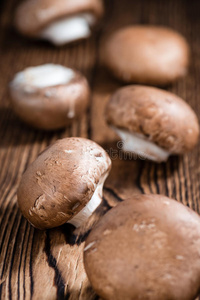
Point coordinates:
[(147, 247), (49, 96), (58, 21), (146, 54), (155, 117), (61, 182)]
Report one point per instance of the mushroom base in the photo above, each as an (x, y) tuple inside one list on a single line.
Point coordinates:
[(69, 29), (94, 202), (140, 145)]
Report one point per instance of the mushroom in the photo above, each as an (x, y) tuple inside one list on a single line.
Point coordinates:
[(58, 21), (147, 247), (64, 184), (146, 54), (49, 96), (151, 122)]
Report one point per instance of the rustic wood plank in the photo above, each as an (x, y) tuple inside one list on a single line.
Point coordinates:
[(49, 265)]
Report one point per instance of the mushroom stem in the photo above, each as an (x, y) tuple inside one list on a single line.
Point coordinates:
[(69, 29), (91, 206), (141, 146), (42, 76)]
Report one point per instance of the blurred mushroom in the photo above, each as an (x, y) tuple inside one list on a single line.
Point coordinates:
[(151, 122), (146, 54), (49, 96), (147, 247), (64, 184), (58, 21)]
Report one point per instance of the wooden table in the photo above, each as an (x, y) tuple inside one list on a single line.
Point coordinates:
[(48, 264)]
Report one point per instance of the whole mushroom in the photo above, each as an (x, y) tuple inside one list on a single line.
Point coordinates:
[(147, 247), (58, 21), (64, 184), (146, 54), (49, 96), (152, 123)]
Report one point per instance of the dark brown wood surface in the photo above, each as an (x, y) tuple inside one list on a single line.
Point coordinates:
[(48, 264)]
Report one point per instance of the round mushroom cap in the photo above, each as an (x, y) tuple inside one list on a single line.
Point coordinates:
[(159, 116), (146, 54), (34, 15), (49, 96), (147, 247), (61, 181)]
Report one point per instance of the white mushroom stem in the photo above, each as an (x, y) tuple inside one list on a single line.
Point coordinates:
[(94, 202), (69, 29), (43, 76), (141, 146)]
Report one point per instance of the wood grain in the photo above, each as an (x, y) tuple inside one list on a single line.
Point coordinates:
[(49, 264)]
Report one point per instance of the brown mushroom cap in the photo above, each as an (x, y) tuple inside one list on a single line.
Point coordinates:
[(61, 181), (51, 107), (145, 248), (33, 15), (146, 54), (160, 116)]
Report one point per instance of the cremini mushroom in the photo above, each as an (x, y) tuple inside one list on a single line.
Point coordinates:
[(147, 247), (146, 54), (152, 123), (58, 21), (49, 96), (64, 184)]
